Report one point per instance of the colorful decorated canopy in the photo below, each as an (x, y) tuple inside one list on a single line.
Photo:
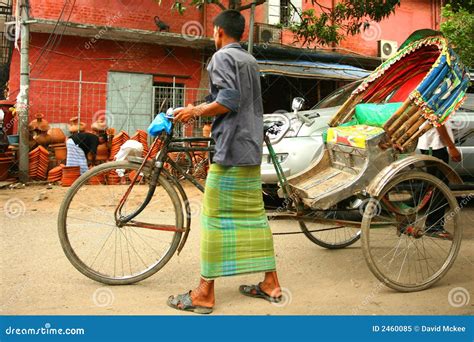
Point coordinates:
[(427, 71)]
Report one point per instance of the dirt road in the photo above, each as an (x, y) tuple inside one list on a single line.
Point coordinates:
[(36, 277)]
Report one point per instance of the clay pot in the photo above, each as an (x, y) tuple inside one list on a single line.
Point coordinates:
[(97, 180), (206, 130), (57, 135), (100, 126), (74, 128), (60, 152), (102, 152), (38, 124), (55, 174), (113, 178), (132, 174), (70, 174), (43, 139)]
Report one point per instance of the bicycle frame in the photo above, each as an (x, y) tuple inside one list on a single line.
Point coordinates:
[(157, 167)]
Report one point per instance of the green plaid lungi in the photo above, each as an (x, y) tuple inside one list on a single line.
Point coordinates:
[(235, 235)]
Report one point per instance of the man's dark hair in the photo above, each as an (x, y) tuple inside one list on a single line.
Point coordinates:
[(104, 136), (232, 22)]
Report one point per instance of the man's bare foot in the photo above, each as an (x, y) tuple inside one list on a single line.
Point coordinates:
[(203, 294), (270, 284), (270, 289)]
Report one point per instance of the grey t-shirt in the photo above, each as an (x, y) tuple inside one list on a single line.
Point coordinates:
[(235, 84)]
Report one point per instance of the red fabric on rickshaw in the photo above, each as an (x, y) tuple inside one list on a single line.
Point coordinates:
[(402, 69), (407, 87)]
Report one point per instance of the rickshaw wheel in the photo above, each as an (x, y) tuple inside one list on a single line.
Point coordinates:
[(400, 239), (334, 236)]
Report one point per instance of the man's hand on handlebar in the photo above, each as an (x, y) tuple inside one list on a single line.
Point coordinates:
[(185, 114)]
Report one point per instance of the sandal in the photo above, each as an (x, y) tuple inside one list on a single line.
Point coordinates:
[(439, 234), (255, 291), (184, 302)]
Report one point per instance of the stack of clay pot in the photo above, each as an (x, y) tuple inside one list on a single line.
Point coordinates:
[(142, 138), (70, 174), (75, 126), (55, 174), (117, 142), (155, 149), (39, 128), (98, 180), (6, 160), (39, 160), (113, 178), (58, 144)]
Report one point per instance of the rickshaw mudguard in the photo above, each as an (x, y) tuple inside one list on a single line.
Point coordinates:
[(376, 186)]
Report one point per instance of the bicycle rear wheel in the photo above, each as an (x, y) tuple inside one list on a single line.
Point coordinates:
[(100, 249), (399, 226)]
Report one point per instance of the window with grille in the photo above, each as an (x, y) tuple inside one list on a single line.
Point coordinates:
[(174, 95), (285, 12)]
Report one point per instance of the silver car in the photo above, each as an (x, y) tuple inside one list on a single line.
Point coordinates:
[(300, 141)]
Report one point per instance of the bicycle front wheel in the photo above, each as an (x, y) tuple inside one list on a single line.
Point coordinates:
[(100, 249)]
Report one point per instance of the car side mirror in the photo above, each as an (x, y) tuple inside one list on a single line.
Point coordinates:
[(297, 103)]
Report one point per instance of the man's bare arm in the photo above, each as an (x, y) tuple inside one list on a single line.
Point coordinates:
[(449, 143), (205, 109)]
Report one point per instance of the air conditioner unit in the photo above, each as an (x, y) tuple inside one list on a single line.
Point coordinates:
[(387, 48), (267, 34)]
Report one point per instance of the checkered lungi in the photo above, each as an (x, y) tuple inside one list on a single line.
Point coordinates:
[(235, 235)]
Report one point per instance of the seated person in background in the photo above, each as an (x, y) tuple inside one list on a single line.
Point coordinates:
[(439, 142), (79, 145)]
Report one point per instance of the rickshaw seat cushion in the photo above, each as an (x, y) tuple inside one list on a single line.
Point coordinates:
[(355, 136), (375, 114)]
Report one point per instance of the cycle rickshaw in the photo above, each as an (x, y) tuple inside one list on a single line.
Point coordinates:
[(124, 233)]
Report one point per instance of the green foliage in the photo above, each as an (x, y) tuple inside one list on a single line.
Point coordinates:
[(324, 26), (456, 5), (458, 28), (349, 17)]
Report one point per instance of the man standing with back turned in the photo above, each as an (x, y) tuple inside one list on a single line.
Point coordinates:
[(235, 237)]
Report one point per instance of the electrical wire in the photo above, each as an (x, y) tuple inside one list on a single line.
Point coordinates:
[(57, 38)]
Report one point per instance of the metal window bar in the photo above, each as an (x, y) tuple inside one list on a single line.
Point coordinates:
[(59, 100)]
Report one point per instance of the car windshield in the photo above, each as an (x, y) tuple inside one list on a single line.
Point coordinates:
[(337, 97)]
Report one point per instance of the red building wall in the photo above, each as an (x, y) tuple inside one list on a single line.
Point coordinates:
[(411, 15), (137, 14), (59, 100), (74, 54)]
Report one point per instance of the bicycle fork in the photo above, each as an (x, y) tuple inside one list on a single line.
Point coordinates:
[(127, 220)]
